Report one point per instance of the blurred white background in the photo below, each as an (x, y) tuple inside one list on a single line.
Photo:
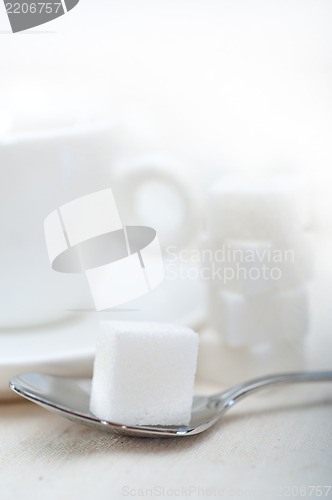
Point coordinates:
[(237, 86), (234, 85)]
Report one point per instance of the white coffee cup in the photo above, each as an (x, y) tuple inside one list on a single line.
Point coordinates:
[(40, 170)]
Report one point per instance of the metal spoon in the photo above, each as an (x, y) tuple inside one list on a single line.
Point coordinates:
[(70, 397)]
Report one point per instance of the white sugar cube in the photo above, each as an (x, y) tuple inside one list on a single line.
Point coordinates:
[(249, 320), (144, 373), (258, 209)]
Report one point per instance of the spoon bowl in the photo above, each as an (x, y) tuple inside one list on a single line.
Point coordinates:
[(70, 398)]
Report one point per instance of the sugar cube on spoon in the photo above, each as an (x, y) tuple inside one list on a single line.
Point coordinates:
[(144, 373)]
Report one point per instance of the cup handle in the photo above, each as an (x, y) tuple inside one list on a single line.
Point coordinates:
[(180, 179)]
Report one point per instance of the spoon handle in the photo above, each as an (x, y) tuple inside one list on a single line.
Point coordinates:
[(229, 397)]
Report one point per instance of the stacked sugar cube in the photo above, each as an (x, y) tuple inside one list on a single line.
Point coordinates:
[(144, 373), (260, 259)]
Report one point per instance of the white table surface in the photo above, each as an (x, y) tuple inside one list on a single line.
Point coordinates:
[(271, 441), (258, 450)]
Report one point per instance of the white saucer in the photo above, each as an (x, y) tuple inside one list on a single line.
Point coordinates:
[(68, 348)]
